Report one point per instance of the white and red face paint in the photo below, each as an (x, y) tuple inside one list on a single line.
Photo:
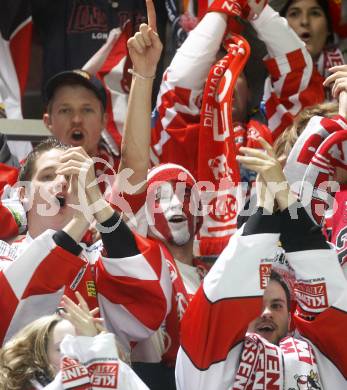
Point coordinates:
[(171, 211)]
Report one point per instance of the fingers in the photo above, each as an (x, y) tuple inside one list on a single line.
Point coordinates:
[(261, 154), (151, 15), (144, 39), (339, 86), (144, 32), (77, 153), (333, 77), (79, 316), (267, 147), (337, 68), (82, 302)]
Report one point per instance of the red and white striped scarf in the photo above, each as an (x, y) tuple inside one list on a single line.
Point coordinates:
[(313, 160), (289, 365)]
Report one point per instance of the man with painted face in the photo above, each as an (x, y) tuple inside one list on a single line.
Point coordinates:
[(164, 209), (180, 117), (235, 333)]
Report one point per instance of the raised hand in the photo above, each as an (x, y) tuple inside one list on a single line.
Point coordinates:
[(263, 162), (266, 164), (145, 46), (338, 82), (80, 316)]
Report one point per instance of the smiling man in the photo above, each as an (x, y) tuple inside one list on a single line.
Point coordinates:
[(235, 332)]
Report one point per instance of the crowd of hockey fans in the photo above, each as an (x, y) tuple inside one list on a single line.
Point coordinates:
[(199, 243)]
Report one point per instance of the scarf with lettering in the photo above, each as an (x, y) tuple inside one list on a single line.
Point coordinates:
[(96, 374), (263, 365), (312, 163), (217, 165)]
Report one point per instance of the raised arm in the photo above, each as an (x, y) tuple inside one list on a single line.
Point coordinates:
[(217, 319), (145, 50), (294, 83), (320, 287), (127, 260)]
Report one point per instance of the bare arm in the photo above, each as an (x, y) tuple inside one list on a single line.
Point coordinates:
[(145, 50)]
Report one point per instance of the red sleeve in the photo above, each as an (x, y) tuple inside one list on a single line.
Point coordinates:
[(294, 85), (32, 285), (135, 292), (175, 131)]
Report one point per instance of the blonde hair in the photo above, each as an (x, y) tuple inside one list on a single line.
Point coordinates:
[(24, 358), (285, 142)]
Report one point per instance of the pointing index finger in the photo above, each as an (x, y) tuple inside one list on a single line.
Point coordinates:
[(151, 15)]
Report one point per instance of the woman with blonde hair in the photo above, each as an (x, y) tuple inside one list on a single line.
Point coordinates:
[(285, 142), (24, 359), (66, 350)]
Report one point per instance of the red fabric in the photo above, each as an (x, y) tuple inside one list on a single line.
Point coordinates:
[(180, 301), (8, 175), (231, 7), (339, 225), (217, 150), (339, 24), (8, 225), (20, 46), (225, 338), (114, 60)]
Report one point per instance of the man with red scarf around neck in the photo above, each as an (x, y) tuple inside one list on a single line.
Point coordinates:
[(165, 205)]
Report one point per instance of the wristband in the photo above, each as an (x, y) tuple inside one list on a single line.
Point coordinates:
[(132, 72)]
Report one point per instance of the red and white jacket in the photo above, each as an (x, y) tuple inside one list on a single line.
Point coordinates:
[(293, 84), (133, 293), (185, 280), (217, 353)]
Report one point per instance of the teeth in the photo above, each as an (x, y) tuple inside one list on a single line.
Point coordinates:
[(77, 135), (266, 328)]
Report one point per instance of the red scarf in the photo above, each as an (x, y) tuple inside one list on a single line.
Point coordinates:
[(313, 161), (217, 163)]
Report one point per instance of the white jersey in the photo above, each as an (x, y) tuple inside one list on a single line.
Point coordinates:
[(215, 351)]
